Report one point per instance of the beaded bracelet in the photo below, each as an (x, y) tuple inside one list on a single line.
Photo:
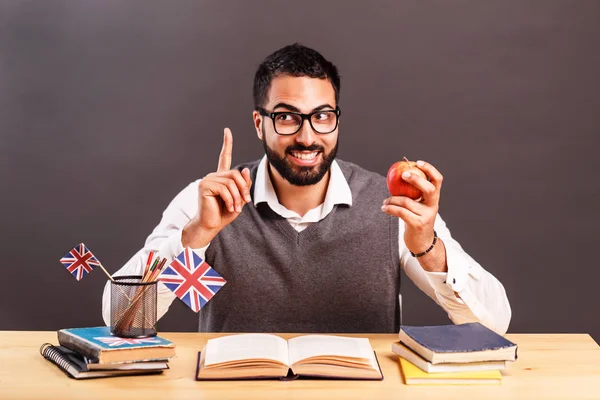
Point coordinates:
[(429, 249)]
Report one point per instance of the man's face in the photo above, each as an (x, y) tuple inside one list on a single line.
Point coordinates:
[(304, 157)]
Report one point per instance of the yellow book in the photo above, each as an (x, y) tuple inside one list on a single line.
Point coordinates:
[(413, 375)]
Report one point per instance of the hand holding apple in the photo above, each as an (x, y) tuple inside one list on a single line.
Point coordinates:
[(407, 181), (398, 186)]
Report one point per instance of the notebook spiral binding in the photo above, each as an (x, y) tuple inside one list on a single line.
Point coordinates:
[(51, 353)]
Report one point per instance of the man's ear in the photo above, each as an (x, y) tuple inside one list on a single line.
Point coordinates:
[(257, 124)]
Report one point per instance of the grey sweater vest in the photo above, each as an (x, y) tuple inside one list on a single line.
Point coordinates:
[(341, 274)]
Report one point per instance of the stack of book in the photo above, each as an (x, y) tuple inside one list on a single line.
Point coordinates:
[(453, 354), (96, 353)]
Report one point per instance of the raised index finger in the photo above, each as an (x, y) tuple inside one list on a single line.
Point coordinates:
[(225, 156)]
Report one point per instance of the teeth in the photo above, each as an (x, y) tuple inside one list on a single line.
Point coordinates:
[(305, 156)]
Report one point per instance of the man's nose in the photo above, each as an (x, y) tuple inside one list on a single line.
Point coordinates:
[(306, 135)]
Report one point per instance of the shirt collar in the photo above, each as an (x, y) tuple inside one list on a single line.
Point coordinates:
[(338, 190)]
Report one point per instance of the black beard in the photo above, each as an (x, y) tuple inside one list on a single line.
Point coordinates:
[(300, 176)]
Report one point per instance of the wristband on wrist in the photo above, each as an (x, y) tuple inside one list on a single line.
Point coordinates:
[(429, 249)]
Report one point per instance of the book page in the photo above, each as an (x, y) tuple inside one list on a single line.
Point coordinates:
[(244, 347), (302, 347)]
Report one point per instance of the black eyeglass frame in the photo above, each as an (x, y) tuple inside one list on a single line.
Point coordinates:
[(308, 117)]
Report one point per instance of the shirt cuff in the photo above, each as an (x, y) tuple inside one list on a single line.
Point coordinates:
[(172, 247), (455, 280)]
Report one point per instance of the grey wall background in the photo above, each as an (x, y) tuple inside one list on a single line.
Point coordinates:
[(109, 108)]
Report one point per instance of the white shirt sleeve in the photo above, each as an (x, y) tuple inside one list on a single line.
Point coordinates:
[(482, 296), (166, 239)]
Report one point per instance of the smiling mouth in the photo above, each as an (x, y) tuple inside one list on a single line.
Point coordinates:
[(306, 156)]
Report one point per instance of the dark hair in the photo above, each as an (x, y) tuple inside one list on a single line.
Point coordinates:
[(294, 60)]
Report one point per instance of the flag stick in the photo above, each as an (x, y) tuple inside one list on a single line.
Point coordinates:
[(106, 272)]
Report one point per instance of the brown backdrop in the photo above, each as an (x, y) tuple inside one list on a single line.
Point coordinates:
[(108, 108)]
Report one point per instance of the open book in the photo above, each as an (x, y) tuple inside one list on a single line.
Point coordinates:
[(259, 355)]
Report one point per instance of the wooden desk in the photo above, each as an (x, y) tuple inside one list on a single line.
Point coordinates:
[(549, 367)]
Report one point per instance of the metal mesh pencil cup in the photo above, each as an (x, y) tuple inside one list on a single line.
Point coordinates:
[(132, 307)]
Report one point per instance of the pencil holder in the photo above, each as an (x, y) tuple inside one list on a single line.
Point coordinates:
[(132, 307)]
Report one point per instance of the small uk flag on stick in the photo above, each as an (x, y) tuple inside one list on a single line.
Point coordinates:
[(80, 261)]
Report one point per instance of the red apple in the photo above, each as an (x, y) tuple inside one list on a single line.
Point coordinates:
[(398, 186)]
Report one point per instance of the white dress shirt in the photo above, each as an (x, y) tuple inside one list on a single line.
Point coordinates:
[(482, 296)]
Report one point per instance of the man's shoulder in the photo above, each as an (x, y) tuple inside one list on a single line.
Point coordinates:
[(353, 171), (363, 183)]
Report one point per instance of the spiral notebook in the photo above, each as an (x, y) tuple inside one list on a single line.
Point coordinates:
[(77, 366)]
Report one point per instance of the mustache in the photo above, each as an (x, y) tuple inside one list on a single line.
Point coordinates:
[(299, 147)]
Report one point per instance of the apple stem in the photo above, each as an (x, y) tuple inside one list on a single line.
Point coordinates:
[(405, 159)]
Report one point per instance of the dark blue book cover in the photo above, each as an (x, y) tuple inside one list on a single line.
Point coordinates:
[(461, 338)]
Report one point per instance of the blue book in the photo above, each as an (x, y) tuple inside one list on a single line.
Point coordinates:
[(98, 343), (462, 343)]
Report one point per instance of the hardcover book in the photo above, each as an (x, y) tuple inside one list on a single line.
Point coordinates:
[(415, 359), (256, 356), (78, 367), (462, 343), (98, 343)]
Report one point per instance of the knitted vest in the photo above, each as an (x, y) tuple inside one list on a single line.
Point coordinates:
[(341, 274)]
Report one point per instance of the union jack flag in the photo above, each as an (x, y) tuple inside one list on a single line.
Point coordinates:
[(191, 279), (80, 261), (114, 341)]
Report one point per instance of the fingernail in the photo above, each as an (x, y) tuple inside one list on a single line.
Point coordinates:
[(406, 174), (420, 163), (238, 208), (386, 201), (383, 208), (248, 198)]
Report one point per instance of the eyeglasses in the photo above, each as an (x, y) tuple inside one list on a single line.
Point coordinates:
[(289, 122)]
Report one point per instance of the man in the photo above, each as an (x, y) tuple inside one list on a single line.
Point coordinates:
[(308, 243)]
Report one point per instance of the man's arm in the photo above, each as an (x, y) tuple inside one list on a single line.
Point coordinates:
[(166, 239), (467, 292), (459, 284), (194, 217)]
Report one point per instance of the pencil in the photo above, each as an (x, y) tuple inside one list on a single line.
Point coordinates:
[(150, 256), (158, 270), (151, 270)]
